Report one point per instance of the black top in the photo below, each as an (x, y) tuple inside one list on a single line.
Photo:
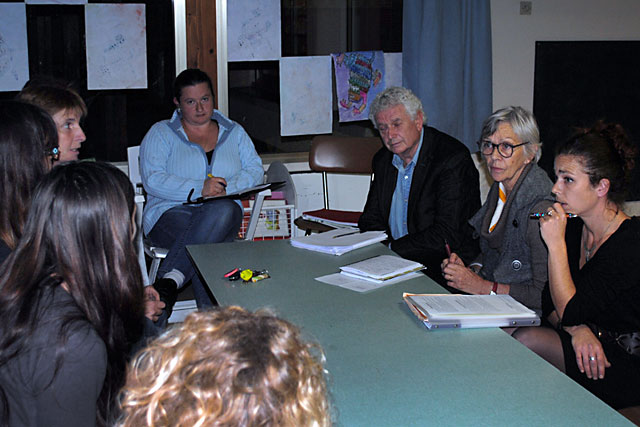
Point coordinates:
[(607, 296), (38, 395), (608, 285)]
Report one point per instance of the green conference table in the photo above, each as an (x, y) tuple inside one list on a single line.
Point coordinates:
[(385, 368)]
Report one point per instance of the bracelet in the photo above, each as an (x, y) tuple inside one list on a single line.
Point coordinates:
[(494, 289)]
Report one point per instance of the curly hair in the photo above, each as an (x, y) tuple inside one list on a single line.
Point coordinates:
[(607, 153), (227, 367)]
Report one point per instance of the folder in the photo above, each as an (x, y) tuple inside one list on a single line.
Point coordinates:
[(333, 218), (470, 311), (338, 241)]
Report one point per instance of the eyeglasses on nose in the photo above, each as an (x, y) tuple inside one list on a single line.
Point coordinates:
[(504, 149)]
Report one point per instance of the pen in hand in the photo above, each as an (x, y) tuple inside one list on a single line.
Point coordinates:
[(224, 184), (447, 247)]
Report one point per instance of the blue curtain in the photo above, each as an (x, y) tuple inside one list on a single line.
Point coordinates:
[(447, 63)]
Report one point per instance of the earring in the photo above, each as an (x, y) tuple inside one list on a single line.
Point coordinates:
[(179, 110)]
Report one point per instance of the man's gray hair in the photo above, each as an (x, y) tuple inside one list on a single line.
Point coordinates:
[(393, 96), (522, 122)]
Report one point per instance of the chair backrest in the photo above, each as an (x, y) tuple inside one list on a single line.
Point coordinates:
[(343, 154), (340, 154), (278, 172), (485, 177), (133, 161)]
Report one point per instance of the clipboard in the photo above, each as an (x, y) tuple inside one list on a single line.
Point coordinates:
[(235, 195)]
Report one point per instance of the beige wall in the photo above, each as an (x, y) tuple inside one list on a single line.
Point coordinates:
[(514, 36)]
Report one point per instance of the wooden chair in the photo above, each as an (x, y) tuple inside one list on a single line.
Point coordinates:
[(335, 154)]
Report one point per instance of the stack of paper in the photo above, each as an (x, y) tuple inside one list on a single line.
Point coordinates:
[(338, 241), (333, 218), (470, 311), (381, 268)]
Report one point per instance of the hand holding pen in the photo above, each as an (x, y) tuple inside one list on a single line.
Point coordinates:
[(539, 215), (553, 225), (214, 186)]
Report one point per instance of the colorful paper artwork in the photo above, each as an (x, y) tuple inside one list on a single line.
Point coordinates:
[(359, 78), (14, 62), (305, 95), (116, 46)]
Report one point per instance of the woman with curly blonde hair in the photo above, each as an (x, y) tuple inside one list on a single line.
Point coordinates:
[(227, 367)]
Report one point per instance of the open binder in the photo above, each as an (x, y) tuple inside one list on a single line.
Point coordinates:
[(470, 311)]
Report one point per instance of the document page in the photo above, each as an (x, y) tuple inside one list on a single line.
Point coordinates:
[(360, 285), (382, 267)]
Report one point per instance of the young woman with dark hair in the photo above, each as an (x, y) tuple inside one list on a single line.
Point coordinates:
[(70, 300), (593, 296), (198, 151), (28, 143)]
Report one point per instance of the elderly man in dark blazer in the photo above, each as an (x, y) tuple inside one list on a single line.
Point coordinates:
[(425, 185)]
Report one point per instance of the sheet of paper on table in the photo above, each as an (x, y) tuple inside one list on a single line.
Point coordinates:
[(360, 285)]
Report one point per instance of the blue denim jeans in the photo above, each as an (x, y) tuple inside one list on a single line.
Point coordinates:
[(211, 222)]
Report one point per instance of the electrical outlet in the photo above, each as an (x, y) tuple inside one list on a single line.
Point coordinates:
[(525, 8)]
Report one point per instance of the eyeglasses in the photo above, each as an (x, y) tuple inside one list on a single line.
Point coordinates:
[(504, 149)]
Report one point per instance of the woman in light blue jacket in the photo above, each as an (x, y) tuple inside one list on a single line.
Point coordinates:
[(198, 149)]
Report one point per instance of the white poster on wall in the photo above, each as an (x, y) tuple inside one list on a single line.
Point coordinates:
[(116, 46), (393, 69), (14, 60), (305, 95), (253, 30), (56, 1)]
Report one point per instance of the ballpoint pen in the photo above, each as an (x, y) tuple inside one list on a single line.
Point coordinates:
[(539, 215), (346, 234), (447, 247)]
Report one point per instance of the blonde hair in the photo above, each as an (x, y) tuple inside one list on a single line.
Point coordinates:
[(227, 367)]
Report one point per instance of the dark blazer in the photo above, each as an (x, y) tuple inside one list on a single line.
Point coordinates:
[(445, 193)]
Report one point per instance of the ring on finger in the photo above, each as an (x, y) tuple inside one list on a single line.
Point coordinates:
[(549, 212), (592, 358)]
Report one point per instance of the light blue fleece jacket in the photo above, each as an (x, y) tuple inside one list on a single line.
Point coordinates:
[(171, 165)]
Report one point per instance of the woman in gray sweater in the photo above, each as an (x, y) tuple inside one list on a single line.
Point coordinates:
[(513, 258)]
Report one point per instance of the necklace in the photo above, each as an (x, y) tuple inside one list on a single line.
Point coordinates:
[(592, 249)]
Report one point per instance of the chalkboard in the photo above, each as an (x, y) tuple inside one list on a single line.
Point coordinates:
[(579, 82)]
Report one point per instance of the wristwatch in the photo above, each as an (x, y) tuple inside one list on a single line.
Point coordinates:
[(494, 289)]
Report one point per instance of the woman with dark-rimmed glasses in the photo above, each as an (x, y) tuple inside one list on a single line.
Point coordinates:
[(513, 259)]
